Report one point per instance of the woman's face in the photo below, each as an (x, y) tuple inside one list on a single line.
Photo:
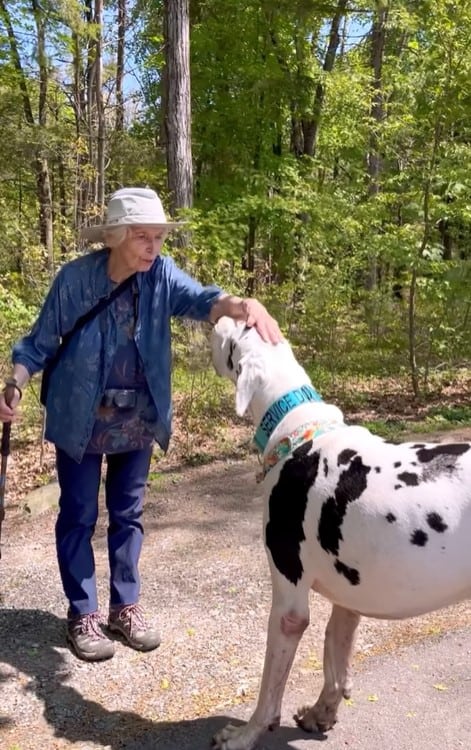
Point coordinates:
[(140, 248)]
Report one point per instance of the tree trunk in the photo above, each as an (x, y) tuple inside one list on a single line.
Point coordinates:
[(378, 34), (119, 122), (248, 263), (311, 126), (178, 104), (374, 166), (62, 202), (79, 107), (427, 229), (99, 130), (43, 177), (91, 124), (40, 163)]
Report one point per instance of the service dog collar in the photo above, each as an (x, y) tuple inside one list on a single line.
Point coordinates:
[(286, 446), (279, 409)]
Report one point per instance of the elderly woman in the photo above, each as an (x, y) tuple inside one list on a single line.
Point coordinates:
[(109, 395)]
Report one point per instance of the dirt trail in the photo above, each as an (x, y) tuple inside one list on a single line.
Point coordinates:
[(205, 579)]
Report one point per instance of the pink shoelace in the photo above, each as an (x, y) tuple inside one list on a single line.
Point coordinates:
[(90, 625), (132, 615)]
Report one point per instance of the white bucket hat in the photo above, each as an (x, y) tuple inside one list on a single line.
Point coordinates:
[(131, 207)]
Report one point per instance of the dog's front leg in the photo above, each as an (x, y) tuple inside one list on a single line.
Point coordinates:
[(285, 628), (338, 649)]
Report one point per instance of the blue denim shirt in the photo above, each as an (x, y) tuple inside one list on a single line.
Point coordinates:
[(78, 381)]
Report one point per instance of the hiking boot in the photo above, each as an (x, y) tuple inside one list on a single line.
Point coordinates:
[(87, 638), (128, 620)]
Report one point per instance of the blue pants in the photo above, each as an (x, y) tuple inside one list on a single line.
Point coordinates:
[(126, 477)]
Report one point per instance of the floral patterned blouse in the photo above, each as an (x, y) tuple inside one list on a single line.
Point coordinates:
[(120, 430)]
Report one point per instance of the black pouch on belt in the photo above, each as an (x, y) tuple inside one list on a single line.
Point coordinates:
[(120, 398)]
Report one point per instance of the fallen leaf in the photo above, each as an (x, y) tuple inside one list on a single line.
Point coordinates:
[(373, 698), (439, 686), (312, 662)]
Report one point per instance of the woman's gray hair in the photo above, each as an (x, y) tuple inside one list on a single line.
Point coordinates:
[(115, 237)]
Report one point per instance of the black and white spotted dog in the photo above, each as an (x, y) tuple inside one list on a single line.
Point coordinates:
[(380, 530)]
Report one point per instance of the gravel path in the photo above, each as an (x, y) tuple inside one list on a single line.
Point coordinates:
[(205, 580)]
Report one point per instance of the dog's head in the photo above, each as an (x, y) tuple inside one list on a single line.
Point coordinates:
[(238, 354)]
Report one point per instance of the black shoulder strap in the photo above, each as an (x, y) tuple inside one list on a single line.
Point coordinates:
[(101, 305)]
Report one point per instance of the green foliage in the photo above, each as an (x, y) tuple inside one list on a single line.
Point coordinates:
[(438, 420), (388, 429), (15, 317), (450, 415), (331, 249), (204, 406)]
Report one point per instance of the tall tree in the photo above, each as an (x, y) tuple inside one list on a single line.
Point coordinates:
[(96, 115), (177, 115), (120, 55), (311, 124), (40, 162), (377, 114), (100, 110)]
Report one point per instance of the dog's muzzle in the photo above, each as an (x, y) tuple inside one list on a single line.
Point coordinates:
[(120, 398)]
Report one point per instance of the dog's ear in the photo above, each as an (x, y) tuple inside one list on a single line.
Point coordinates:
[(248, 380)]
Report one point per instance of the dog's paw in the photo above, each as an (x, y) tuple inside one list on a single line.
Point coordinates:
[(315, 718), (236, 738)]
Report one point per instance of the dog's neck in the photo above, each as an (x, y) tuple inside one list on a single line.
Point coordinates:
[(281, 373), (289, 382), (280, 408)]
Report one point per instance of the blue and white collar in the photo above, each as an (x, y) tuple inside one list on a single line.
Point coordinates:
[(279, 409)]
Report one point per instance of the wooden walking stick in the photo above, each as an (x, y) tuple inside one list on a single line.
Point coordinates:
[(5, 452)]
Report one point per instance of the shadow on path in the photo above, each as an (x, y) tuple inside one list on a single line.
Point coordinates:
[(29, 643)]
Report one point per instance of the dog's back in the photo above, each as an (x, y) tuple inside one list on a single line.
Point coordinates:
[(382, 529)]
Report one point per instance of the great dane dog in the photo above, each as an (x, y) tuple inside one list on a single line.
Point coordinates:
[(380, 530)]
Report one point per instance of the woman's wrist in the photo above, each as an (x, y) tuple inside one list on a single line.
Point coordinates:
[(13, 383), (226, 304)]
